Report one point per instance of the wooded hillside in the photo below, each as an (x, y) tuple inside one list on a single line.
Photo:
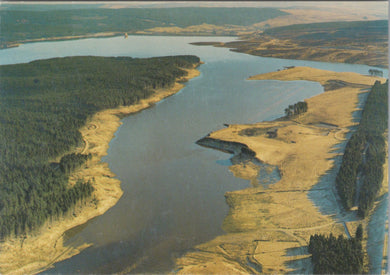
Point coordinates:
[(19, 25), (43, 104)]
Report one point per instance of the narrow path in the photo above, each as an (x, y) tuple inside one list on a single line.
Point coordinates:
[(346, 230), (341, 213), (86, 146), (339, 132), (86, 143)]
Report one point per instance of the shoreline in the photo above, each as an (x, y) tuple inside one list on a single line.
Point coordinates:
[(14, 44), (267, 229), (38, 252), (322, 57)]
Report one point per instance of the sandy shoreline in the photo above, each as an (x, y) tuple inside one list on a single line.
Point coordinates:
[(268, 228), (152, 32), (37, 253)]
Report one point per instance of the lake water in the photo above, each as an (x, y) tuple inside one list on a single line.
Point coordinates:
[(173, 189)]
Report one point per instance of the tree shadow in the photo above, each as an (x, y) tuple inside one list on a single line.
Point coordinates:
[(324, 194), (357, 115), (303, 264)]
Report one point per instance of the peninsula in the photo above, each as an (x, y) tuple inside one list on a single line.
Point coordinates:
[(26, 249), (269, 228)]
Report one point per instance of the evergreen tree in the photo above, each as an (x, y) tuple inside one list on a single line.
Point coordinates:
[(359, 233), (43, 104)]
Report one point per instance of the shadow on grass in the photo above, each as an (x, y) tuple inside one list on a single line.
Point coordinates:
[(303, 264), (324, 194)]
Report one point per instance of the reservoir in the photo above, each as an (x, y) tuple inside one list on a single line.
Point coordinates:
[(173, 189)]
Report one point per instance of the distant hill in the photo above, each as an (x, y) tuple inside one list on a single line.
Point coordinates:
[(331, 31), (355, 42), (19, 25)]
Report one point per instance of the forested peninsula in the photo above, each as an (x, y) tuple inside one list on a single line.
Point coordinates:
[(49, 110)]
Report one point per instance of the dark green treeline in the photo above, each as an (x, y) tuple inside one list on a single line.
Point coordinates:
[(331, 255), (365, 152), (296, 109), (42, 106)]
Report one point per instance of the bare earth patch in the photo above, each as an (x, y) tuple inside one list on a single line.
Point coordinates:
[(268, 229)]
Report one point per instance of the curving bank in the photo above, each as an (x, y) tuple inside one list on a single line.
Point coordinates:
[(36, 249), (268, 229)]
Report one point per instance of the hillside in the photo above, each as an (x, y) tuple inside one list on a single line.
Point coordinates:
[(356, 42), (18, 26)]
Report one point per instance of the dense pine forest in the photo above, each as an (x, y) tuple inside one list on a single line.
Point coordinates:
[(365, 154), (42, 106), (331, 255)]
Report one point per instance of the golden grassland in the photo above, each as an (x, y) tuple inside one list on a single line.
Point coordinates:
[(268, 228), (293, 16), (39, 251), (306, 16), (203, 29)]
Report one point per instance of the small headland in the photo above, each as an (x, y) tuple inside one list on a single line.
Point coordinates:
[(268, 229)]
